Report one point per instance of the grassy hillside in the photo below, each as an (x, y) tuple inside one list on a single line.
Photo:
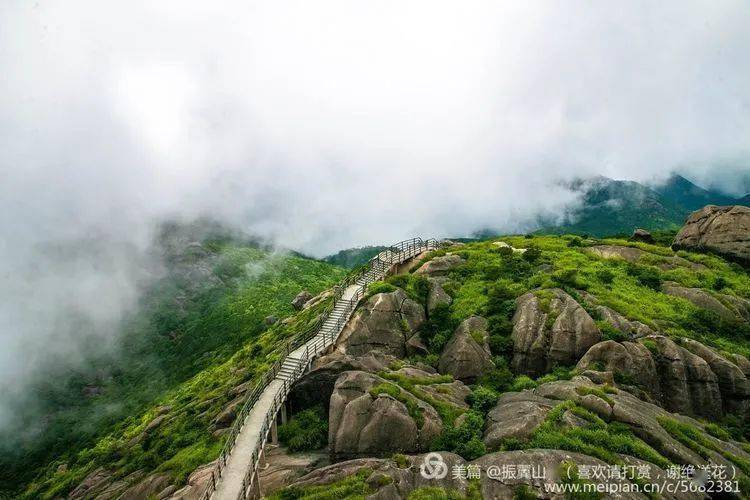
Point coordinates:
[(200, 331), (487, 283)]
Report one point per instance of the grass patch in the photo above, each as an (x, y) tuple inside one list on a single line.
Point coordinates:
[(305, 431)]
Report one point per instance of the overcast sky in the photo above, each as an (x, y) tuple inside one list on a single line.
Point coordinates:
[(328, 124)]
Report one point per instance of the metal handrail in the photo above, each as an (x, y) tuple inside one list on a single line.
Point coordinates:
[(376, 269)]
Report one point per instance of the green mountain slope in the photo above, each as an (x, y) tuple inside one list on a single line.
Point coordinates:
[(199, 332), (611, 207), (690, 197)]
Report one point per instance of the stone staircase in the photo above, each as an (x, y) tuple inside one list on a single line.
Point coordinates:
[(235, 474)]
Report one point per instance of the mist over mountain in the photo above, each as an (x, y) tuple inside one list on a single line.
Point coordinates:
[(318, 127), (610, 207)]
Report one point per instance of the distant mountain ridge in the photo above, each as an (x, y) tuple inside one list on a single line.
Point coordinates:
[(612, 207)]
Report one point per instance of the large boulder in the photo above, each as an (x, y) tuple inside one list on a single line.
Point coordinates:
[(467, 356), (549, 333), (631, 328), (516, 415), (642, 235), (385, 323), (365, 421), (701, 298), (733, 383), (680, 379), (197, 482), (440, 266), (724, 230), (437, 296), (301, 299)]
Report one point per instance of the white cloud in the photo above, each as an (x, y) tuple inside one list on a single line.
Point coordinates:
[(335, 123)]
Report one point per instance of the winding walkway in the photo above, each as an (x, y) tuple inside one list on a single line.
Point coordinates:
[(237, 474), (233, 479)]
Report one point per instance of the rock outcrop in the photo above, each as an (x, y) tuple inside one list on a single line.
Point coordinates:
[(520, 414), (550, 334), (700, 298), (367, 421), (437, 296), (440, 266), (467, 356), (642, 235), (723, 230), (634, 255), (691, 378), (301, 298), (534, 472), (385, 323)]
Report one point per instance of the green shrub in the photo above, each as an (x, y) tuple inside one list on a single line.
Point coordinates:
[(399, 280), (568, 278), (305, 431), (719, 283), (501, 345), (605, 276), (651, 346), (609, 332), (401, 461), (646, 276), (523, 492), (420, 287), (354, 486), (522, 382), (438, 328), (532, 254), (482, 399), (499, 378), (465, 439), (380, 287), (575, 242)]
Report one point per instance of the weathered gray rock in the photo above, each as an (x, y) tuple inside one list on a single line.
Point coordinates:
[(672, 375), (147, 488), (271, 320), (463, 356), (365, 424), (642, 235), (317, 385), (196, 484), (631, 359), (516, 415), (440, 266), (700, 298), (724, 230), (437, 296), (385, 323), (629, 254), (634, 255), (226, 417), (631, 328), (733, 383), (545, 339), (301, 298)]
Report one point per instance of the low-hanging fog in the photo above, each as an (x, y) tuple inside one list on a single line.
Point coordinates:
[(328, 124)]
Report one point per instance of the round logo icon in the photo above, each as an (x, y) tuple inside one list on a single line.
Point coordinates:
[(433, 466)]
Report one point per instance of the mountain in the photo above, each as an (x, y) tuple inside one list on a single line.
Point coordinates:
[(199, 331), (610, 207), (544, 351), (691, 197)]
